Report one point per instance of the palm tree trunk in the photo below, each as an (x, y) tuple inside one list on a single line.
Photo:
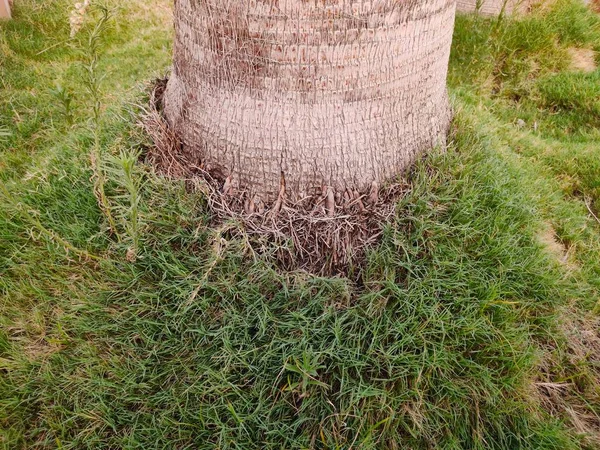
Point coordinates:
[(4, 9), (314, 95)]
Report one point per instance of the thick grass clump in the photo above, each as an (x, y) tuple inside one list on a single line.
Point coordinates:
[(198, 344), (130, 320), (524, 64), (578, 93), (544, 119)]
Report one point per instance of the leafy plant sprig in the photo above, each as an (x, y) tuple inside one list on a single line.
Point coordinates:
[(92, 81)]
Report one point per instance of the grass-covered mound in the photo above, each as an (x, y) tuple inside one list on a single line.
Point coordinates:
[(128, 321)]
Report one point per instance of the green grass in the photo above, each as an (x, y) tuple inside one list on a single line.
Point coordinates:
[(173, 334)]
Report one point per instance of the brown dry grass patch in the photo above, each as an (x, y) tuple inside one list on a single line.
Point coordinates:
[(551, 242), (568, 384), (582, 59)]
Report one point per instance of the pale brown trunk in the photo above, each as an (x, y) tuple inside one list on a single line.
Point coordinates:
[(4, 9), (318, 94)]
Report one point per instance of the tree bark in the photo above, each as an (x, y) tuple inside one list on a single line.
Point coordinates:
[(4, 9), (315, 95)]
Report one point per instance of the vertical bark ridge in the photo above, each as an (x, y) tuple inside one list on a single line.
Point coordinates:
[(326, 93)]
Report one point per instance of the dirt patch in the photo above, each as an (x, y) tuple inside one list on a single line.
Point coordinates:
[(583, 59), (568, 386), (559, 401), (30, 335), (583, 336), (536, 5), (157, 11), (552, 243)]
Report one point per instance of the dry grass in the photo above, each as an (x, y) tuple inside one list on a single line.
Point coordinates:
[(202, 342), (536, 5), (551, 242), (583, 59), (571, 397)]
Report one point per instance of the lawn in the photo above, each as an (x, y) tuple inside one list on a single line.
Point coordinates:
[(130, 320)]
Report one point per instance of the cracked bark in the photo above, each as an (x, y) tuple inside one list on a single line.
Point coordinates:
[(316, 96)]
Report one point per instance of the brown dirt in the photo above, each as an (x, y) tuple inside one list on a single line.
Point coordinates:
[(568, 378), (539, 5), (583, 59), (551, 242)]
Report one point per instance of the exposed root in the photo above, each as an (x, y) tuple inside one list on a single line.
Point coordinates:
[(165, 154), (316, 234), (328, 234)]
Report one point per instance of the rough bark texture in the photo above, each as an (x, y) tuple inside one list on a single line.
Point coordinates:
[(490, 7), (4, 9), (315, 95)]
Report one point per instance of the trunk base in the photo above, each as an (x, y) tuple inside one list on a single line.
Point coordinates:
[(326, 234)]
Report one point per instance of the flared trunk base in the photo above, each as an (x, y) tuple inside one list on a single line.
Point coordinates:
[(314, 96)]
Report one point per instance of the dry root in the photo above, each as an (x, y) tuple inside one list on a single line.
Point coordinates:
[(166, 153), (328, 234)]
